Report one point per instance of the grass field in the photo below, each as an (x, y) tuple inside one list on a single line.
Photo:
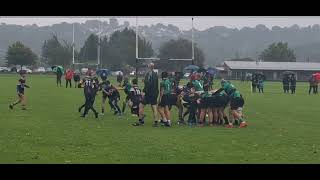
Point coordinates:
[(283, 128)]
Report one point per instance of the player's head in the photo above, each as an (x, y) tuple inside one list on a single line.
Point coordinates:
[(193, 77), (134, 81), (223, 81), (164, 75), (151, 66), (191, 87)]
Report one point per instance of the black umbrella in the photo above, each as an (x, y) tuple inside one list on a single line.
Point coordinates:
[(288, 73), (201, 70)]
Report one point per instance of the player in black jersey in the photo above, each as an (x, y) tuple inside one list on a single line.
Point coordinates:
[(90, 86), (135, 101)]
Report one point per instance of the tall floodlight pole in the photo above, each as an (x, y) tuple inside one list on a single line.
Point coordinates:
[(137, 48), (73, 45), (192, 44)]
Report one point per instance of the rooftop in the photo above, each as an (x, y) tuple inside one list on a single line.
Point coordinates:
[(253, 65)]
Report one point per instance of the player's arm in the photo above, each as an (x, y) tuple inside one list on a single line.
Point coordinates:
[(218, 91), (26, 86)]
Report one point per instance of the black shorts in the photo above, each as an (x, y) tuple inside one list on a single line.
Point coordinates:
[(165, 100), (76, 78), (150, 100), (136, 100), (222, 101), (204, 103), (173, 98), (237, 102)]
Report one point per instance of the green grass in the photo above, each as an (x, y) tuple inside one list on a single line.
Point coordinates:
[(282, 128)]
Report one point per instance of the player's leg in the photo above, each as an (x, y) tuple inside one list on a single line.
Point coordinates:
[(57, 80), (310, 87), (238, 112), (91, 106), (210, 115), (140, 115), (86, 106), (192, 112), (23, 102), (155, 112), (180, 110), (81, 107), (124, 104), (115, 103), (103, 104), (16, 102), (167, 112)]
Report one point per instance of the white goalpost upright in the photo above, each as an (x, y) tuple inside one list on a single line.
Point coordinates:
[(157, 59)]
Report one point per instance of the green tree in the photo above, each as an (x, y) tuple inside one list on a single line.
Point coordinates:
[(120, 49), (179, 49), (88, 53), (278, 52), (56, 53), (19, 54)]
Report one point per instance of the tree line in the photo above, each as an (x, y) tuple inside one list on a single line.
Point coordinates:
[(118, 51)]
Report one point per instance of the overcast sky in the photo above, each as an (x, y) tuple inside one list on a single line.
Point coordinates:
[(182, 22)]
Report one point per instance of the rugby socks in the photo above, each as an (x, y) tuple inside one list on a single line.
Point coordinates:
[(226, 120), (124, 106), (15, 103), (141, 121)]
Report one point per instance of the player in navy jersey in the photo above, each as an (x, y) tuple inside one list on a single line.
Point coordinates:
[(90, 86), (20, 92)]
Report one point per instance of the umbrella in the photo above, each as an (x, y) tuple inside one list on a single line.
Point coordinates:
[(191, 67), (211, 70), (103, 73), (55, 68), (258, 73), (201, 70), (316, 76)]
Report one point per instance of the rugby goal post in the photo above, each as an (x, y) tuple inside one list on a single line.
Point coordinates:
[(157, 59), (98, 64)]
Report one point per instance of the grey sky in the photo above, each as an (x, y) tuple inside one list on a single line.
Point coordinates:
[(183, 22)]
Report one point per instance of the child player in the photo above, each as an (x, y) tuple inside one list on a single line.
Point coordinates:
[(20, 92), (135, 97), (164, 99), (236, 102)]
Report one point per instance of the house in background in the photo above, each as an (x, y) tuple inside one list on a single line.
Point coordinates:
[(272, 70)]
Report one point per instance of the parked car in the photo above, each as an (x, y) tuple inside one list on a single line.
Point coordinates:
[(29, 71), (116, 73), (14, 69), (133, 73), (48, 70), (4, 69), (40, 70)]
